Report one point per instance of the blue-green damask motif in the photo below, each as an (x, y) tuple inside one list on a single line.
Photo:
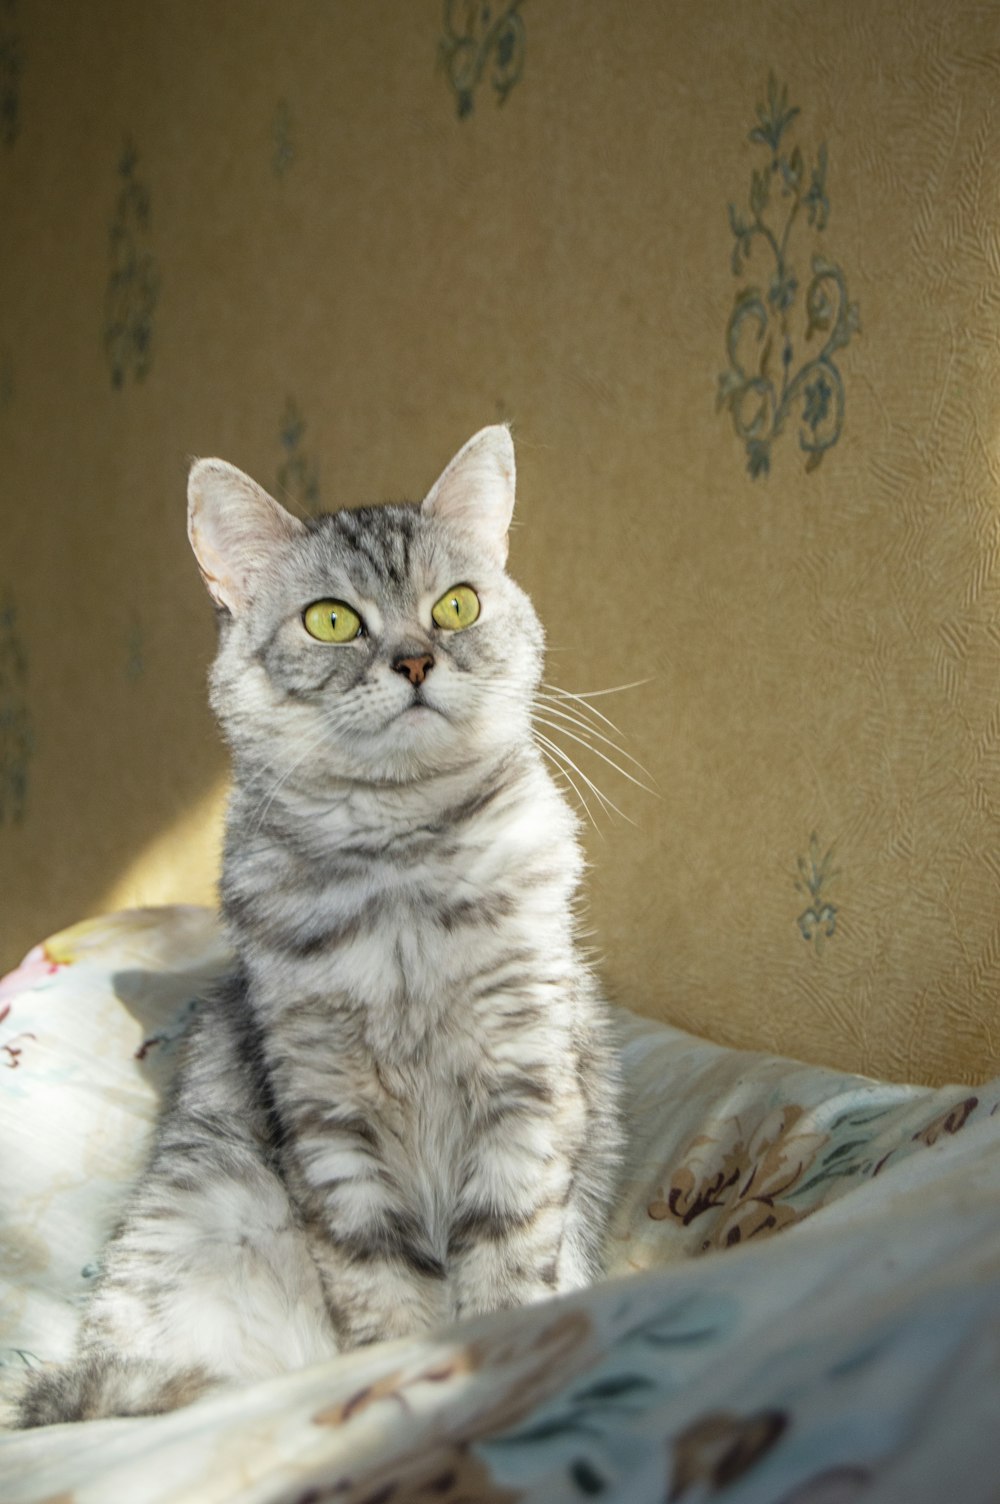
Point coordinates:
[(283, 153), (11, 62), (762, 386), (477, 34), (133, 280), (17, 741), (818, 922), (135, 656), (298, 474), (6, 380)]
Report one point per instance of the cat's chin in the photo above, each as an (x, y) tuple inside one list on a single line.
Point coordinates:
[(418, 714), (422, 737), (422, 742)]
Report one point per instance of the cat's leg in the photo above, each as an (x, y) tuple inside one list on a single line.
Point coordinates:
[(103, 1383), (381, 1274), (519, 1235), (209, 1281), (501, 1260), (596, 1164), (379, 1290), (538, 1184)]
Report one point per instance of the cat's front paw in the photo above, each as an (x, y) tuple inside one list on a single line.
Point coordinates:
[(104, 1384)]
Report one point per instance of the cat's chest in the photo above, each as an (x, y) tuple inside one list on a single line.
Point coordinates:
[(423, 949), (378, 1137), (400, 943)]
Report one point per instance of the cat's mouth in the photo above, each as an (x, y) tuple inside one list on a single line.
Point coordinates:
[(419, 709)]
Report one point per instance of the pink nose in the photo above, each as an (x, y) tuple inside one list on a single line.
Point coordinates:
[(415, 669)]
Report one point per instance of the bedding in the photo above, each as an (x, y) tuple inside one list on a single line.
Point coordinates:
[(803, 1301)]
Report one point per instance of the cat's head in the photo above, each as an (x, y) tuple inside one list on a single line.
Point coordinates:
[(386, 644)]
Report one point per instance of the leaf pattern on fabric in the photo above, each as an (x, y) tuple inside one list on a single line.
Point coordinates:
[(742, 1178), (718, 1449), (953, 1120), (633, 1389), (516, 1369)]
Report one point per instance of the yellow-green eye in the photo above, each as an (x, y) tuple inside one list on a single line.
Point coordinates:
[(331, 621), (457, 608)]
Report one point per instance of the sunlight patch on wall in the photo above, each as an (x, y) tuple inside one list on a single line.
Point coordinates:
[(180, 865)]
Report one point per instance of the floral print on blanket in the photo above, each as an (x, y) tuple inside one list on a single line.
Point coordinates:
[(852, 1357), (742, 1177), (739, 1183)]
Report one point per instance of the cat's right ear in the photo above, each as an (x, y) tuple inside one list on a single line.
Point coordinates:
[(234, 527), (476, 491)]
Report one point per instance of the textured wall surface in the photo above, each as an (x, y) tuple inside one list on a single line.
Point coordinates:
[(733, 274)]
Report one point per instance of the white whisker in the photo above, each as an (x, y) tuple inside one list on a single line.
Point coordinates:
[(606, 803), (590, 730), (550, 749), (581, 699), (602, 755), (561, 696), (583, 710), (595, 694)]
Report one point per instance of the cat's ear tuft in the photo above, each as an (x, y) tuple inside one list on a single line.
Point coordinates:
[(476, 491), (234, 528)]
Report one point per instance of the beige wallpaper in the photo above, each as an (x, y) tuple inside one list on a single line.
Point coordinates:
[(732, 273)]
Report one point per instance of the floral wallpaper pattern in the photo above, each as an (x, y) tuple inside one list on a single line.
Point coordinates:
[(133, 286), (6, 379), (477, 36), (376, 174), (135, 656), (818, 921), (17, 738), (11, 63), (762, 386), (298, 473), (283, 148)]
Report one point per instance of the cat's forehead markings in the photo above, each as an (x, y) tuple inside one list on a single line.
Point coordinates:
[(378, 540)]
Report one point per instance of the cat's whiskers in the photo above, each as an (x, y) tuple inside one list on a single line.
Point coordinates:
[(562, 773), (606, 802), (591, 731), (595, 694), (561, 764), (585, 742), (567, 715), (582, 709), (582, 699)]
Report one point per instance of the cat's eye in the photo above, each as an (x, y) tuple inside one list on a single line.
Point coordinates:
[(457, 608), (331, 621)]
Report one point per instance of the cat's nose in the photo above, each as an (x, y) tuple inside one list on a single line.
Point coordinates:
[(415, 669)]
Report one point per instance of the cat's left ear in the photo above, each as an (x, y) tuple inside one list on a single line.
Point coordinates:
[(476, 491), (234, 528)]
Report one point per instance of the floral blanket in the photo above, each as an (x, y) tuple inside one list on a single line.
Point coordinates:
[(855, 1356)]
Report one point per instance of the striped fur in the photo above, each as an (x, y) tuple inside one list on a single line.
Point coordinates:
[(402, 1109)]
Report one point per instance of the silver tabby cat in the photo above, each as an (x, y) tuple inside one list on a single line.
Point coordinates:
[(402, 1109)]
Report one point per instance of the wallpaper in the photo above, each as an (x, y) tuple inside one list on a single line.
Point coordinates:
[(733, 276)]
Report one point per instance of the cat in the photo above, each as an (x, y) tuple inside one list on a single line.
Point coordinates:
[(402, 1108)]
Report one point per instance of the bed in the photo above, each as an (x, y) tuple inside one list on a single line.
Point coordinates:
[(802, 1303)]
